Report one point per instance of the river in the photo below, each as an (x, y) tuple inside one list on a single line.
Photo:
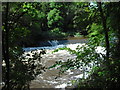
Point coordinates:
[(48, 79)]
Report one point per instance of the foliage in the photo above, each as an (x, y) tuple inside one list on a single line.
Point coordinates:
[(27, 66), (96, 35), (28, 23), (56, 32), (86, 57), (78, 35), (54, 18), (42, 18), (14, 34), (104, 73)]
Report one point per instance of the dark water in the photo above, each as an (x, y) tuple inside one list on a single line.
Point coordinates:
[(69, 40)]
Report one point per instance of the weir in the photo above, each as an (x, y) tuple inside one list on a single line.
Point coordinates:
[(53, 42)]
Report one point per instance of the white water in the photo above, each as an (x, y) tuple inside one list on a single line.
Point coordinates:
[(54, 42), (47, 79)]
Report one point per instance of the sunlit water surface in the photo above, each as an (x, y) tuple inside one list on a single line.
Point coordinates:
[(48, 79)]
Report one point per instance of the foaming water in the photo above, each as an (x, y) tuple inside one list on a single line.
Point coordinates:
[(46, 47), (48, 79), (54, 44), (51, 78)]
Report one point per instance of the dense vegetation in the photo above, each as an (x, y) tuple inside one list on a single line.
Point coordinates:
[(39, 21), (105, 68), (25, 24)]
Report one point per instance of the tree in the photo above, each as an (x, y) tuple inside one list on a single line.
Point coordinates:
[(105, 30), (13, 56), (6, 48)]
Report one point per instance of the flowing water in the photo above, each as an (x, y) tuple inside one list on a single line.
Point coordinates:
[(50, 79)]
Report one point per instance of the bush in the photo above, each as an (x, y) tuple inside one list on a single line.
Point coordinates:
[(23, 69), (77, 34)]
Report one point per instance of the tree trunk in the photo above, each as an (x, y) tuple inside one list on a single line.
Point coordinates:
[(6, 48), (105, 30)]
